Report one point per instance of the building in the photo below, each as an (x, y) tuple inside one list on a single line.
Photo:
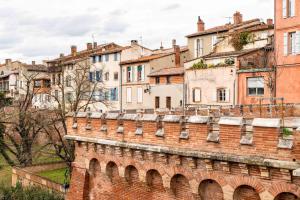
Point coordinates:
[(212, 79), (139, 93), (18, 79), (287, 48)]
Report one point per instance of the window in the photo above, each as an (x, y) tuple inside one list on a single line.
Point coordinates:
[(116, 56), (214, 41), (199, 48), (58, 79), (291, 43), (106, 76), (116, 76), (56, 94), (157, 80), (157, 102), (288, 8), (168, 102), (255, 86), (129, 74), (114, 94), (94, 58), (196, 95), (91, 76), (168, 79), (69, 96), (99, 76), (68, 81), (140, 73), (53, 79), (128, 95), (140, 95), (106, 57), (37, 83), (222, 95), (21, 84), (100, 58)]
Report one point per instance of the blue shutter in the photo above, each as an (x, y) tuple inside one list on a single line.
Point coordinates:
[(91, 76), (111, 94), (97, 76), (116, 94)]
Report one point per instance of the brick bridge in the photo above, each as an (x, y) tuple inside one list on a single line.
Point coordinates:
[(131, 156)]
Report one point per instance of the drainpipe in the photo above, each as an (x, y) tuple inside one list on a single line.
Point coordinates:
[(121, 89)]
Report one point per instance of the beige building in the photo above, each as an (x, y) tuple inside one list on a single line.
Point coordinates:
[(211, 79), (15, 76), (138, 92)]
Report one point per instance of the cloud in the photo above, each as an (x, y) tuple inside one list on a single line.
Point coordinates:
[(171, 7), (114, 25)]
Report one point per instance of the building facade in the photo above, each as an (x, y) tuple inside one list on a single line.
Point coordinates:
[(287, 48)]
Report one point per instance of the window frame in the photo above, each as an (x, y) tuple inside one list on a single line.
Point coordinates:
[(223, 90), (256, 88)]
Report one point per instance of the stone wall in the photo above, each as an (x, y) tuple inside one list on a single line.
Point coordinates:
[(27, 176), (173, 157)]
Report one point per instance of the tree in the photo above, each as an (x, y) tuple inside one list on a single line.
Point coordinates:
[(20, 126), (75, 92)]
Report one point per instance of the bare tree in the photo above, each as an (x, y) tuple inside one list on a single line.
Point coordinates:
[(75, 92)]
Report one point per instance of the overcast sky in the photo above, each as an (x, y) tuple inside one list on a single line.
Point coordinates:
[(41, 29)]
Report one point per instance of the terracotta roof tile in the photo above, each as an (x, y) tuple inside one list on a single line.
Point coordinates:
[(168, 72)]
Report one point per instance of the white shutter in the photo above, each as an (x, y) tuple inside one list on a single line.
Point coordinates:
[(285, 44), (227, 95), (197, 94), (132, 73), (284, 8), (298, 42), (195, 48), (128, 95), (201, 47), (140, 95), (293, 8), (143, 72)]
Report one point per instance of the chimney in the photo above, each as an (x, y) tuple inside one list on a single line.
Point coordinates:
[(177, 55), (270, 22), (73, 50), (7, 61), (33, 62), (161, 46), (89, 46), (174, 43), (61, 55), (200, 25), (237, 18), (95, 45), (134, 42)]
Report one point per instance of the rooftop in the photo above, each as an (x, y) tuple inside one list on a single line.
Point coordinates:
[(168, 72)]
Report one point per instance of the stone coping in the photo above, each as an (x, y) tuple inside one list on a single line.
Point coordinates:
[(235, 121), (171, 118), (129, 117), (112, 116), (196, 119), (266, 122), (253, 160), (149, 117)]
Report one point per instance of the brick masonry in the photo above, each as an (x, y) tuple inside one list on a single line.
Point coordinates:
[(116, 164)]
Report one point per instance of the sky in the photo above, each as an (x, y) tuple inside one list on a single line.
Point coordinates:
[(42, 29)]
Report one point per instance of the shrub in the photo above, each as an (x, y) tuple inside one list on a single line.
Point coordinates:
[(28, 193), (286, 132), (240, 39), (199, 65)]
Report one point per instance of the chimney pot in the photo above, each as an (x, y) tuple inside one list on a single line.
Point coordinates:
[(95, 45), (73, 50), (237, 18), (174, 43), (200, 24), (270, 22), (134, 42), (33, 62), (89, 46), (61, 55), (7, 61), (177, 55)]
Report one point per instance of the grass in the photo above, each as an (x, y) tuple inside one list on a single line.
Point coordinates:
[(56, 175), (45, 156)]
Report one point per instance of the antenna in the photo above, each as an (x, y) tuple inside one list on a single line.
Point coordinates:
[(93, 37), (229, 19)]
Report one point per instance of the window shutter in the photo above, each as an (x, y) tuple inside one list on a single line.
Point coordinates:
[(91, 76), (140, 95), (116, 94), (128, 95), (194, 91), (132, 74), (196, 48), (285, 44), (227, 95), (293, 8), (143, 72), (284, 8), (201, 47), (298, 42)]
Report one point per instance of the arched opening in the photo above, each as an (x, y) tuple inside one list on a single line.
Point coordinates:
[(245, 192), (210, 190), (112, 172), (94, 170), (180, 187), (154, 180), (286, 196), (131, 174)]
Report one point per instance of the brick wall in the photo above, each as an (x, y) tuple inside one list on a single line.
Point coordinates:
[(168, 164)]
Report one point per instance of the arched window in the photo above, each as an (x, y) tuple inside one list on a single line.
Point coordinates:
[(210, 190), (180, 187), (68, 81), (245, 192)]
